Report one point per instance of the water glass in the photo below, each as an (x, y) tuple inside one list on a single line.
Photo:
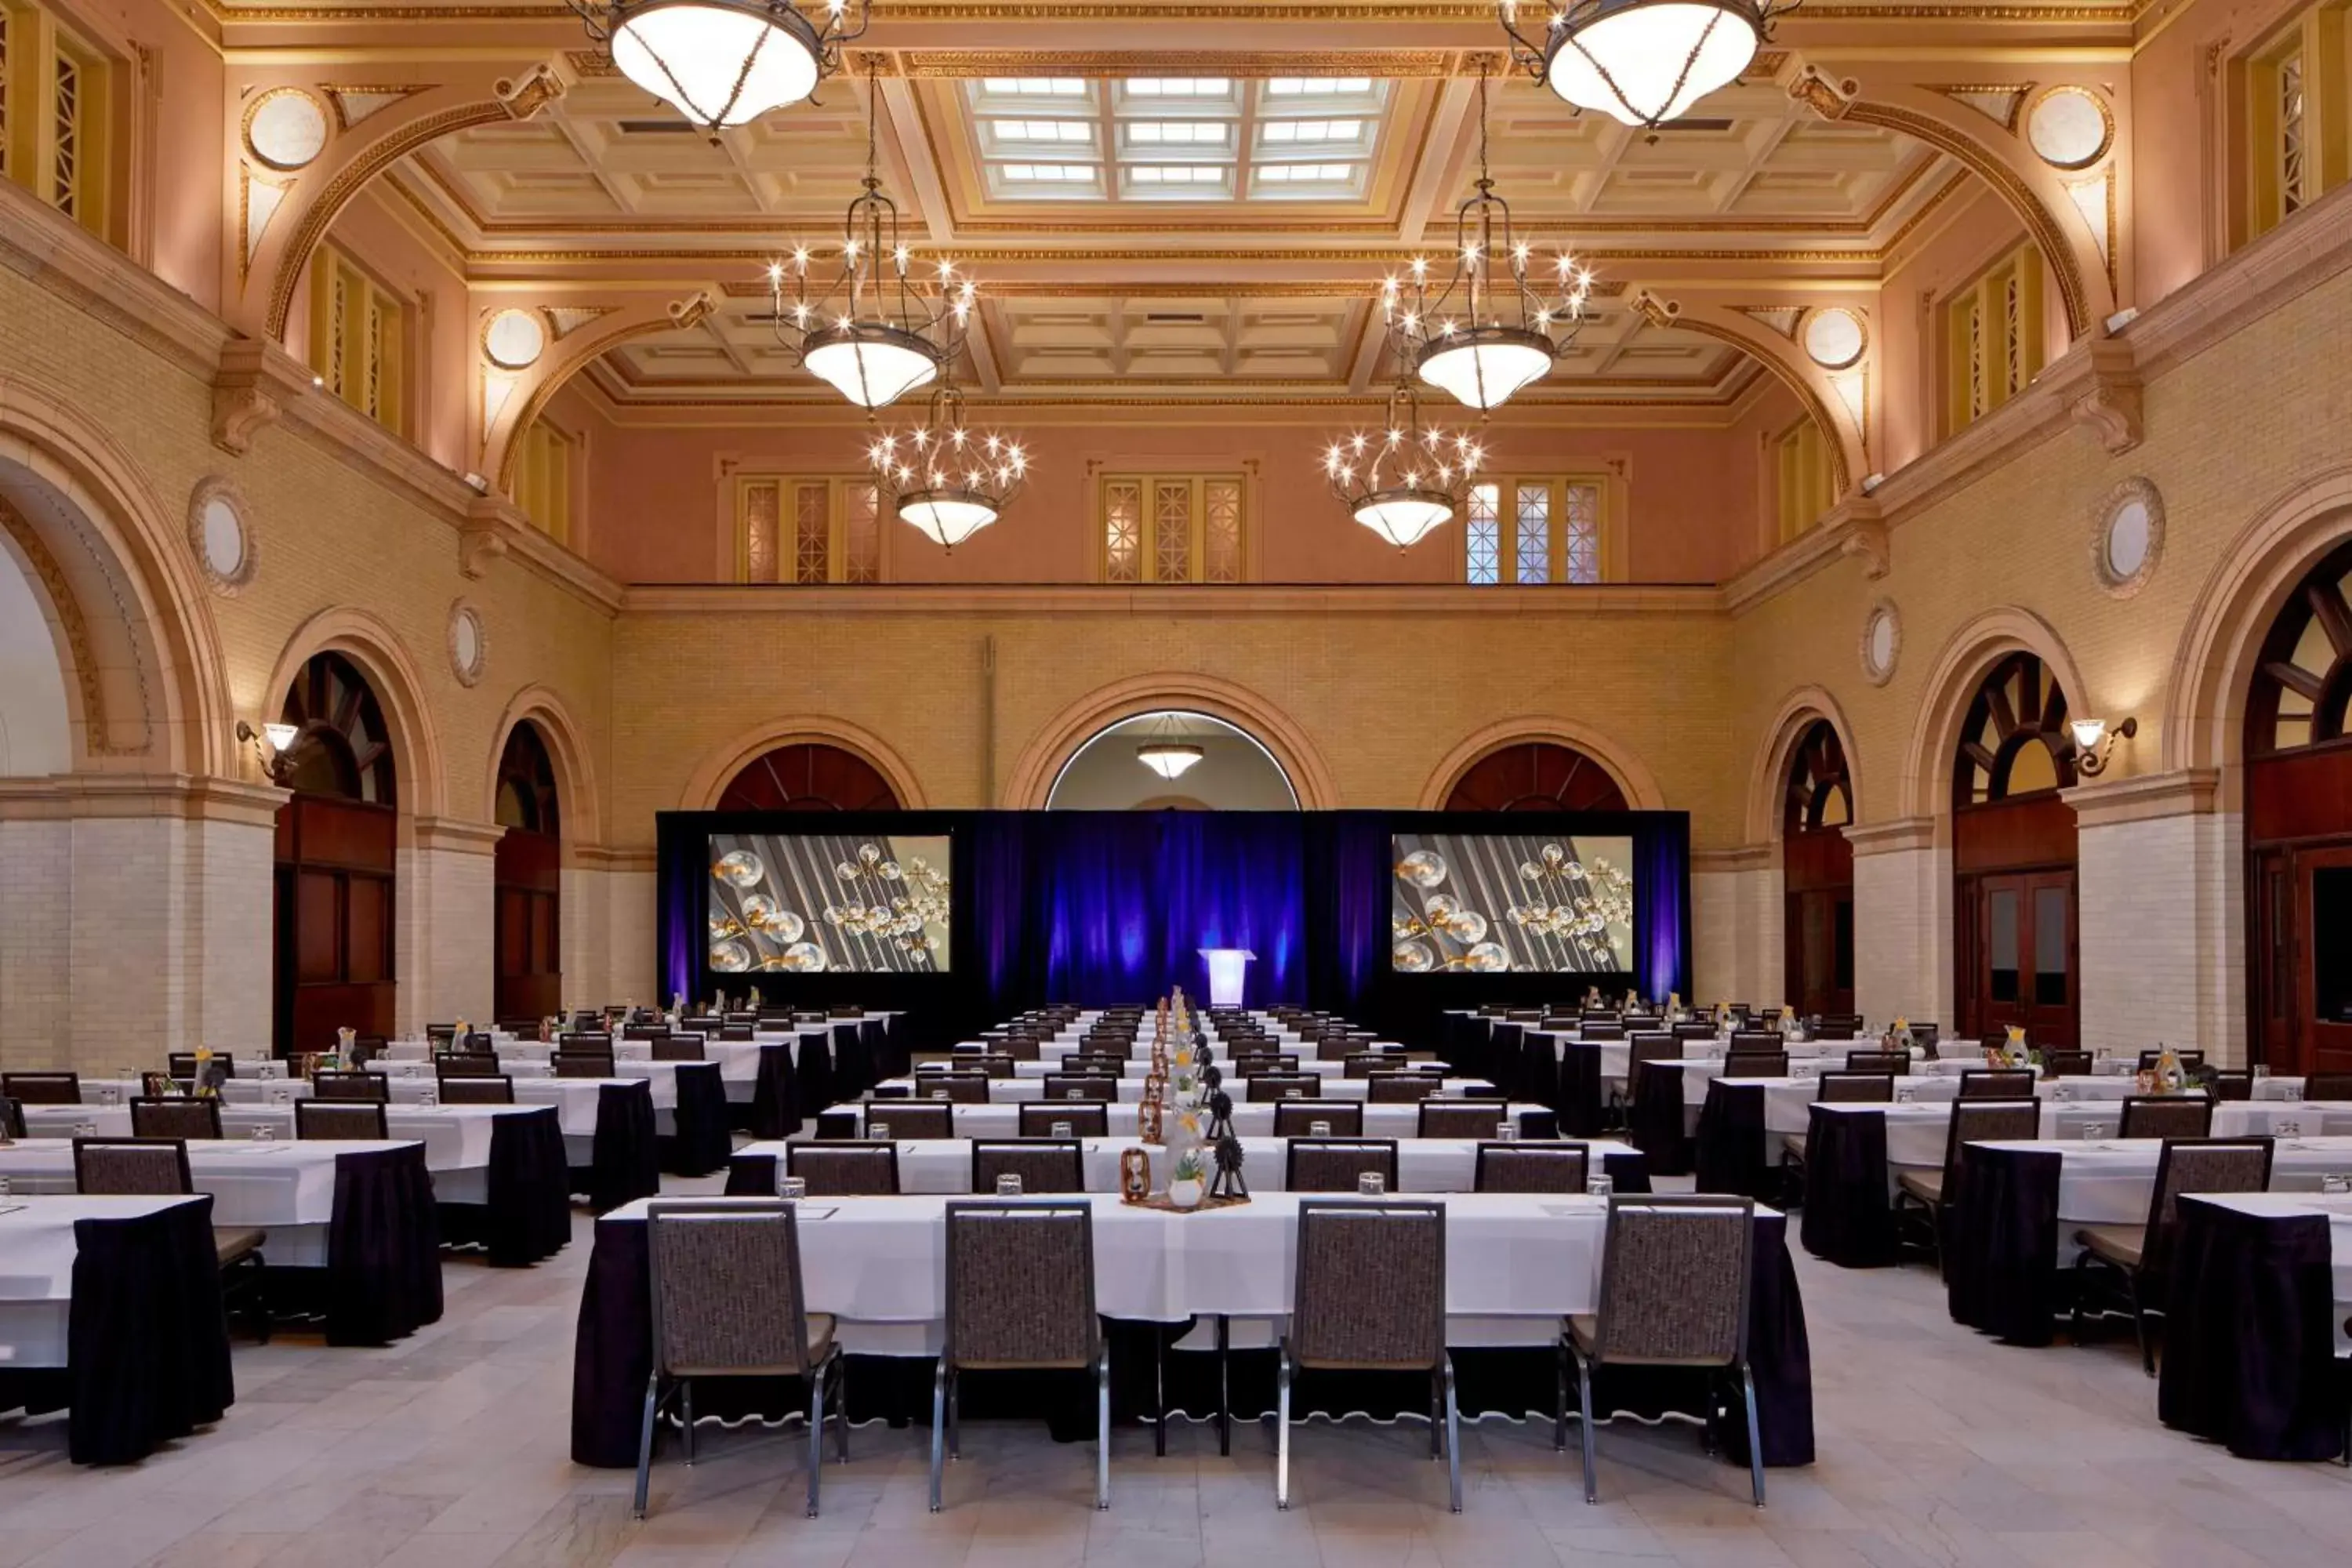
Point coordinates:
[(2336, 1184), (940, 1094), (2262, 1072), (1060, 1129), (2096, 1130), (2290, 1129), (1601, 1186), (108, 1094), (792, 1189), (1506, 1130), (1906, 1095), (2294, 1091), (85, 1129), (878, 1130), (7, 1188), (1008, 1185), (430, 1098), (1318, 1129), (1371, 1184), (260, 1133), (1294, 1094), (1074, 1094), (281, 1094)]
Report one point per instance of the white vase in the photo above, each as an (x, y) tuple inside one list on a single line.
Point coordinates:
[(1184, 1195)]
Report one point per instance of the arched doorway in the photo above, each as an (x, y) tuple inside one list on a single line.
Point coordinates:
[(1536, 775), (338, 843), (809, 776), (1817, 875), (2013, 858), (36, 725), (1173, 760), (528, 880), (2298, 810)]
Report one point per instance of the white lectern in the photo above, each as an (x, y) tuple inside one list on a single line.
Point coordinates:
[(1226, 966)]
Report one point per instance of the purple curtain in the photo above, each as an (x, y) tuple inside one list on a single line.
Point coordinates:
[(1662, 904)]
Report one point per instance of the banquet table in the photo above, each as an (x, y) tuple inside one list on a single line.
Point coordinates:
[(1003, 1120), (762, 1075), (690, 1097), (2254, 1352), (1016, 1090), (351, 1223), (878, 1265), (2019, 1204), (111, 1308)]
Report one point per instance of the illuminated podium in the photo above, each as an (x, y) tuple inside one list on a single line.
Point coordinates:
[(1226, 967)]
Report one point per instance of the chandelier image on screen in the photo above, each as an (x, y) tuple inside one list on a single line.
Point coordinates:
[(804, 903), (1479, 903)]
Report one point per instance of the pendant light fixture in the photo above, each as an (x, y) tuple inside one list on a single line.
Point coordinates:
[(1409, 477), (1165, 750), (1485, 332), (1644, 62), (721, 62), (943, 478), (873, 333)]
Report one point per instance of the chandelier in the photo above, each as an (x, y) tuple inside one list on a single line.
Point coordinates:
[(1644, 62), (721, 62), (945, 478), (1407, 479), (872, 333), (1485, 332), (1165, 750)]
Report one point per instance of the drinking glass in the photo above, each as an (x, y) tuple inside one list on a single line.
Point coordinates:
[(2096, 1130), (2262, 1072), (2294, 1091), (2290, 1129), (1906, 1095), (1506, 1130), (1601, 1186), (7, 1188), (1067, 1094), (430, 1098), (1371, 1184), (942, 1094), (878, 1130), (792, 1189), (1060, 1129), (109, 1094), (260, 1133), (281, 1094), (2333, 1182), (1318, 1129), (85, 1129), (1008, 1185), (1294, 1094)]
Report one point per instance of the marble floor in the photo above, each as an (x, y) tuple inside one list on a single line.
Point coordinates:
[(449, 1450)]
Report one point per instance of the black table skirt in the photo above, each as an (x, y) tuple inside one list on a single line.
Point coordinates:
[(1464, 1041), (625, 1155), (146, 1343), (2000, 1252), (1578, 1099), (384, 1248), (1847, 1219), (2250, 1337), (884, 1048), (612, 1357), (528, 1212), (775, 1110), (1506, 1063), (701, 1142), (1654, 1123), (852, 1064), (1732, 1151)]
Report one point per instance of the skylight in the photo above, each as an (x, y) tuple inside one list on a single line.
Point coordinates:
[(1049, 173), (1317, 85), (1176, 174), (1178, 86), (1307, 173), (1303, 131), (1035, 85), (1042, 129), (1178, 133)]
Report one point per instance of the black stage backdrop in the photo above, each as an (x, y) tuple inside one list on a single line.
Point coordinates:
[(1095, 908)]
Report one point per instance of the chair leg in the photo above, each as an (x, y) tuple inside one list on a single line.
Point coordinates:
[(1452, 1439), (1102, 1430), (2074, 1309), (1560, 1429), (646, 1444), (817, 1376), (939, 1427), (1282, 1429), (1436, 1450), (1755, 1435), (685, 1405), (1224, 1386), (841, 1408), (955, 1417), (2139, 1323), (1584, 1412)]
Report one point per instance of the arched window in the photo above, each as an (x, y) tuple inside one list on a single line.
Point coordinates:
[(526, 878), (1536, 775), (2306, 678), (2014, 740), (1820, 794), (1817, 875), (811, 776), (527, 797), (343, 749)]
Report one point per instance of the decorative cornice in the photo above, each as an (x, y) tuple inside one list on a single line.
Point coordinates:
[(1893, 837), (2146, 798), (452, 836), (39, 242), (254, 384), (1745, 858), (75, 796), (935, 601)]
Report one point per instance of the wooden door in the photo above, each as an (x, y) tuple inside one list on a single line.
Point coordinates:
[(1819, 960), (334, 921), (2323, 959), (529, 984), (2274, 913), (2019, 966)]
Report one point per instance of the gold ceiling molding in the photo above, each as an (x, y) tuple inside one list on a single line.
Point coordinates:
[(1248, 63), (1983, 97), (1063, 11), (1397, 257), (343, 96)]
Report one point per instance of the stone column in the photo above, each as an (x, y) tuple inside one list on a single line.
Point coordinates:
[(1736, 925), (448, 929), (1902, 921), (2160, 914)]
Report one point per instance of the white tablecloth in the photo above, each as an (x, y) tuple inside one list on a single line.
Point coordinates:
[(271, 1184), (1002, 1121), (37, 1259), (1014, 1090), (455, 1137), (2108, 1182)]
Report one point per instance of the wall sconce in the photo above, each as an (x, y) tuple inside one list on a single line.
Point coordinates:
[(2095, 742), (270, 746)]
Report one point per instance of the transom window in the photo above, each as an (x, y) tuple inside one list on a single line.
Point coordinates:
[(807, 529), (58, 115), (2294, 94), (2304, 683), (1529, 530), (1992, 337), (1173, 527), (359, 337), (2014, 740)]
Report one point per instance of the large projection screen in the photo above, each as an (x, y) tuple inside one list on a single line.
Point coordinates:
[(1484, 904), (811, 903)]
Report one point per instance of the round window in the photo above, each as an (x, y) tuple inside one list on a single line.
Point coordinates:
[(2127, 536), (1882, 641)]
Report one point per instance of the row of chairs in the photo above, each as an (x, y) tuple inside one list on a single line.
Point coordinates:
[(919, 1119), (182, 1120), (859, 1168), (970, 1088), (1369, 1294)]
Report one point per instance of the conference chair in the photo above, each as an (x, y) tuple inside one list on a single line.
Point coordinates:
[(2133, 1260), (1278, 1086), (182, 1063), (2065, 1064), (1521, 1166), (1296, 1118), (2167, 1116), (42, 1088), (1043, 1165), (478, 1090), (844, 1168), (1080, 1086), (1440, 1118), (461, 1066), (1403, 1088), (329, 1083), (1926, 1195), (157, 1167), (329, 1119), (1336, 1165), (1083, 1117), (1999, 1083), (910, 1120), (1898, 1063), (2325, 1085), (179, 1118)]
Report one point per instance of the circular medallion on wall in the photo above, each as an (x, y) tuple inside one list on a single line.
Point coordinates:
[(1882, 642), (2126, 537), (286, 128), (513, 340), (2070, 128), (1834, 338), (469, 645), (217, 535)]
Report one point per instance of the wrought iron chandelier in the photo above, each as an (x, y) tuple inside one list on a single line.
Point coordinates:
[(1409, 477), (873, 333), (722, 62), (1485, 332), (1644, 62), (942, 476)]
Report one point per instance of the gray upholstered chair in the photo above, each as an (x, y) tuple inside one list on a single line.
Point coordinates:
[(1085, 1117), (471, 1089), (1043, 1165), (1999, 1083), (727, 1302), (1296, 1118), (843, 1168), (583, 1064), (2167, 1116), (1334, 1165), (42, 1088), (1021, 1295), (910, 1120), (328, 1083), (1402, 1087), (344, 1119), (2133, 1260), (2065, 1064), (2326, 1086), (678, 1048), (158, 1167), (1924, 1193), (1755, 1063), (1080, 1086), (1895, 1062), (466, 1064), (1460, 1118), (1273, 1088), (182, 1119), (1532, 1167), (1369, 1296), (1674, 1292)]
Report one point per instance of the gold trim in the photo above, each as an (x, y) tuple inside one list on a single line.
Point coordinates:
[(2019, 91), (244, 129), (1797, 336), (335, 90), (1244, 64), (1054, 11), (2106, 129)]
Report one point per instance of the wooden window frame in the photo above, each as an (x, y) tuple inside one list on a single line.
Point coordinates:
[(838, 566), (365, 296), (1608, 506), (113, 116), (1804, 491), (1149, 478), (551, 479), (1993, 336), (2317, 38)]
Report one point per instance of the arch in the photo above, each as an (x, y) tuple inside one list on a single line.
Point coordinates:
[(808, 775), (2221, 645), (371, 644), (1040, 761), (1847, 442), (135, 638), (719, 766), (575, 785), (1967, 655), (1768, 775), (1632, 776), (534, 389)]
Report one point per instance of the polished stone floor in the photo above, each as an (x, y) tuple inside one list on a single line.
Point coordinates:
[(448, 1450)]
